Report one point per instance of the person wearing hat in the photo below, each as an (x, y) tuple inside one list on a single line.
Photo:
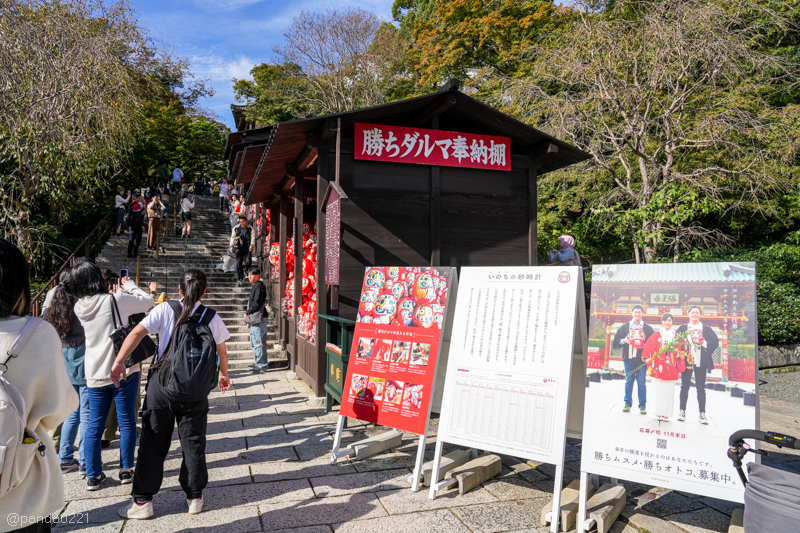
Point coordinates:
[(119, 204), (136, 220)]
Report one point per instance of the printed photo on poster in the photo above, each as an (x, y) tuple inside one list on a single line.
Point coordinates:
[(375, 388), (400, 352), (412, 396), (358, 385), (365, 347), (419, 354), (394, 391), (671, 373)]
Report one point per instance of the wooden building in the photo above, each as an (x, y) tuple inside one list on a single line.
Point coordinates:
[(392, 213)]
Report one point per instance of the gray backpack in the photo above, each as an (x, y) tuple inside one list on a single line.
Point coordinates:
[(19, 445)]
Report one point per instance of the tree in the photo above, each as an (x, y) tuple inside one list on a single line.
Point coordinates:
[(70, 79), (273, 94), (672, 101), (201, 152), (336, 61), (456, 38)]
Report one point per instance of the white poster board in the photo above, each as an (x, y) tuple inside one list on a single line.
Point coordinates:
[(510, 363)]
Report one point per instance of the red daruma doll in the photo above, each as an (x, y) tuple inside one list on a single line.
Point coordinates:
[(636, 338)]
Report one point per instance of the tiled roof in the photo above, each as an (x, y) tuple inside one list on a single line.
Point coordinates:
[(675, 273)]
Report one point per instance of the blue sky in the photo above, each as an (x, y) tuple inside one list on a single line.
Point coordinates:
[(224, 39)]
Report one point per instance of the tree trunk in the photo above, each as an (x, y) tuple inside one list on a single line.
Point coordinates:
[(649, 250), (636, 247)]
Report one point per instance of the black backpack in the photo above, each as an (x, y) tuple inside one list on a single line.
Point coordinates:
[(128, 216), (190, 364)]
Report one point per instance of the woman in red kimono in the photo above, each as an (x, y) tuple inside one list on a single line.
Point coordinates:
[(665, 366)]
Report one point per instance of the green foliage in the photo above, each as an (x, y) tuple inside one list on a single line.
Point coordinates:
[(597, 343), (272, 94)]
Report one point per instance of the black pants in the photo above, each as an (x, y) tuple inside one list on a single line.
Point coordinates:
[(700, 384), (134, 241), (223, 203), (38, 527), (242, 262), (159, 415)]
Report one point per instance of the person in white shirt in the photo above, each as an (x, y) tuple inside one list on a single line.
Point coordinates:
[(119, 204), (101, 314), (161, 413), (186, 215), (177, 176), (39, 374), (236, 210), (224, 194)]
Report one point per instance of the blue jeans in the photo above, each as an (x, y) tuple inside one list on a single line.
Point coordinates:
[(258, 342), (69, 430), (100, 400), (640, 376)]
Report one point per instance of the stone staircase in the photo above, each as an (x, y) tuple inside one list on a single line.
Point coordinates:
[(210, 236)]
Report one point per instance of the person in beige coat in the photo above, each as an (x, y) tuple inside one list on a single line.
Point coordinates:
[(39, 374)]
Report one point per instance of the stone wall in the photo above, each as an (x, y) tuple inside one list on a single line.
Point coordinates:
[(776, 356)]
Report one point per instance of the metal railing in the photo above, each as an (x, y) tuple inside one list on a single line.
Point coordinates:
[(94, 239)]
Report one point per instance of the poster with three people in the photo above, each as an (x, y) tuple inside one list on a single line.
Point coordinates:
[(672, 373)]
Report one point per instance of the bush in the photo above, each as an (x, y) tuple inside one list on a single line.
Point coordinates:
[(597, 343)]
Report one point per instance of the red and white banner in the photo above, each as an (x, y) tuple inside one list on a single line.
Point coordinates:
[(398, 144)]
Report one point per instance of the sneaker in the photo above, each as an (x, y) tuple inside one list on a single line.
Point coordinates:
[(95, 482), (251, 367), (682, 415), (195, 506), (258, 370), (703, 419), (137, 511), (126, 476), (69, 466), (105, 444), (626, 409), (82, 469), (642, 411)]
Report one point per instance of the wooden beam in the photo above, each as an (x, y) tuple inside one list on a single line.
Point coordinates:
[(306, 158), (540, 153), (436, 225), (329, 129), (533, 213), (435, 109)]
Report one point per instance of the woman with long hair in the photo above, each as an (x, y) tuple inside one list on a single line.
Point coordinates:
[(101, 314), (119, 205), (58, 309), (236, 210), (38, 373), (161, 412), (186, 215)]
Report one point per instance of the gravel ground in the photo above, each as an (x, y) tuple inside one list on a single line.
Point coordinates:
[(784, 386)]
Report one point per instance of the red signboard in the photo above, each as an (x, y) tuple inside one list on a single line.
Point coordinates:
[(395, 346), (374, 142)]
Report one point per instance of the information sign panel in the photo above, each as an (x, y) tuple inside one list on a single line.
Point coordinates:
[(677, 374), (510, 361), (396, 343)]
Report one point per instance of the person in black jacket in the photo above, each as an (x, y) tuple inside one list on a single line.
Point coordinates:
[(256, 319), (635, 369), (243, 240), (702, 343)]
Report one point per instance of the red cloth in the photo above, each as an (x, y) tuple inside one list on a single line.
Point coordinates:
[(667, 366)]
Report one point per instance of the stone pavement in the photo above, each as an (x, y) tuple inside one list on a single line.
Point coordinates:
[(268, 457)]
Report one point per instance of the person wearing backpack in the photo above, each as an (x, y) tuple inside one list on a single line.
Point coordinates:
[(191, 350), (101, 314), (58, 310), (38, 397)]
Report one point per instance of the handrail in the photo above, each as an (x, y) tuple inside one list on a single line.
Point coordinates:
[(336, 319), (87, 246)]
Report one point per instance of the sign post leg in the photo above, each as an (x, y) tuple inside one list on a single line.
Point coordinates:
[(337, 439), (420, 459), (558, 483), (437, 457), (580, 525)]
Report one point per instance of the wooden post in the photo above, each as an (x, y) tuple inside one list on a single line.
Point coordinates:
[(322, 295), (436, 227), (533, 238), (282, 274), (298, 262)]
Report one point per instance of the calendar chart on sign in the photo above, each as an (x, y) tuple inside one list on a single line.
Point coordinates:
[(521, 410), (510, 361)]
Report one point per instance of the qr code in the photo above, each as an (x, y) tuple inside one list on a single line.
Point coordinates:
[(661, 444)]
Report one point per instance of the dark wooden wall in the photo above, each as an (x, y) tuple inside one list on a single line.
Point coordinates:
[(387, 219)]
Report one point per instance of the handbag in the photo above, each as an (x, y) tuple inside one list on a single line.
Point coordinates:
[(146, 347)]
